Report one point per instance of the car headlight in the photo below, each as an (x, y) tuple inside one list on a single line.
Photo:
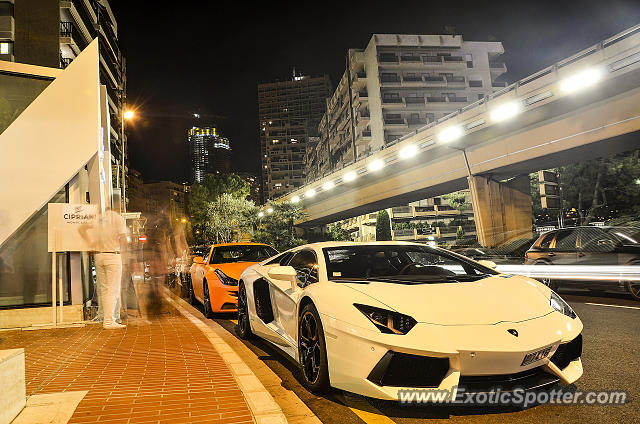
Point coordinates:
[(560, 305), (387, 321), (225, 279)]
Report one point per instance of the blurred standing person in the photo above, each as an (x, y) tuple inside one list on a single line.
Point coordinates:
[(157, 253), (110, 240)]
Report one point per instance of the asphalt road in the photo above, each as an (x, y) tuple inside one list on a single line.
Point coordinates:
[(611, 360)]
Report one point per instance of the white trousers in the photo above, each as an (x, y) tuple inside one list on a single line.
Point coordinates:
[(109, 274)]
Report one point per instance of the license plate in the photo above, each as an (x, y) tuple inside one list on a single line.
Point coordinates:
[(532, 357)]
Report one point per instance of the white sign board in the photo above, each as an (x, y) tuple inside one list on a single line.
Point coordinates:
[(66, 222)]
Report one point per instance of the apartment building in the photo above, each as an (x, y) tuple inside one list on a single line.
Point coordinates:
[(210, 153), (396, 85), (169, 198), (436, 219), (289, 113), (52, 33)]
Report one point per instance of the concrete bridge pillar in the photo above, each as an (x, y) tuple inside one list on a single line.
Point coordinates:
[(502, 210)]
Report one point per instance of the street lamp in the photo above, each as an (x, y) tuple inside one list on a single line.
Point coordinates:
[(126, 116)]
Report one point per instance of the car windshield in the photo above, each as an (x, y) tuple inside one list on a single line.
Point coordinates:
[(242, 253), (200, 250), (407, 264)]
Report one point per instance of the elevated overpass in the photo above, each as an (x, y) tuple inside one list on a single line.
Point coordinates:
[(583, 107)]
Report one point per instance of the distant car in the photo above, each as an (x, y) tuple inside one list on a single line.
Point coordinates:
[(183, 268), (214, 278), (377, 318), (479, 253), (589, 246)]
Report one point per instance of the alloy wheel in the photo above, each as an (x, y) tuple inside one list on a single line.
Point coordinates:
[(310, 347)]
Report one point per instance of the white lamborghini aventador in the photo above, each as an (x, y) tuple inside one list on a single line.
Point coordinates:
[(376, 318)]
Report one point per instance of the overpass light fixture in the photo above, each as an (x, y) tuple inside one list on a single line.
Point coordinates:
[(295, 199), (505, 111), (328, 185), (408, 151), (450, 134), (310, 193), (581, 80), (350, 176), (376, 165)]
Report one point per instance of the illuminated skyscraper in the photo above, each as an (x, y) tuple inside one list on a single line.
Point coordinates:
[(289, 113), (209, 152)]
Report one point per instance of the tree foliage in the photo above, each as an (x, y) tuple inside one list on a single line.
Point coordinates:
[(277, 228), (457, 200), (383, 226), (336, 232), (219, 210)]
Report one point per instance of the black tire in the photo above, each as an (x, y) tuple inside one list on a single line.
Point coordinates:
[(633, 287), (206, 303), (243, 328), (312, 351)]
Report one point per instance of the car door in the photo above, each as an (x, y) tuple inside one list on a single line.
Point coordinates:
[(305, 263), (198, 272), (597, 247), (563, 250)]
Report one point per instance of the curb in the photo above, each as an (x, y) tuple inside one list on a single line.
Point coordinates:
[(264, 409)]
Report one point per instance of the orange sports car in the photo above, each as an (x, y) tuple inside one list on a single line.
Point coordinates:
[(214, 278)]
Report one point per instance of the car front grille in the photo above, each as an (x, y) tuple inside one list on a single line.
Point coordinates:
[(404, 370), (528, 380), (567, 352)]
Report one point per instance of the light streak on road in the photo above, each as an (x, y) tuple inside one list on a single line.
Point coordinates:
[(575, 272)]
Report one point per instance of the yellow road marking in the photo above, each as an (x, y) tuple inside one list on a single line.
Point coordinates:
[(235, 321), (363, 409)]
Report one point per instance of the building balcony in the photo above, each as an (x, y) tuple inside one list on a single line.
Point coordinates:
[(497, 68), (417, 121), (359, 79), (436, 99), (412, 81), (395, 102), (410, 59), (402, 212), (407, 234), (395, 123), (65, 61), (438, 81), (386, 81), (411, 101), (70, 35), (457, 99), (456, 81)]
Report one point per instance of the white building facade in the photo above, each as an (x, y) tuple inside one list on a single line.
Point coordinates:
[(396, 85)]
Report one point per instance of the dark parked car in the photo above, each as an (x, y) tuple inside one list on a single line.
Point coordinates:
[(589, 246)]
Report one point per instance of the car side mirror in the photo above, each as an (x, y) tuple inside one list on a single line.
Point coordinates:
[(284, 273), (198, 260), (488, 264)]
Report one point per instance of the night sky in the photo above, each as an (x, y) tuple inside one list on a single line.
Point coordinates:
[(187, 56)]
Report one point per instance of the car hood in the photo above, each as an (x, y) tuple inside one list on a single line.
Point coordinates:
[(484, 302), (233, 269)]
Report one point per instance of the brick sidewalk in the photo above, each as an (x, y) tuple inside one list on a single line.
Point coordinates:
[(162, 371)]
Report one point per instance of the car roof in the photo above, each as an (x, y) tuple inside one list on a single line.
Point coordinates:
[(239, 244), (323, 244)]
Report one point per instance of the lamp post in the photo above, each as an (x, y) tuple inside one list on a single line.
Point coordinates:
[(126, 115)]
